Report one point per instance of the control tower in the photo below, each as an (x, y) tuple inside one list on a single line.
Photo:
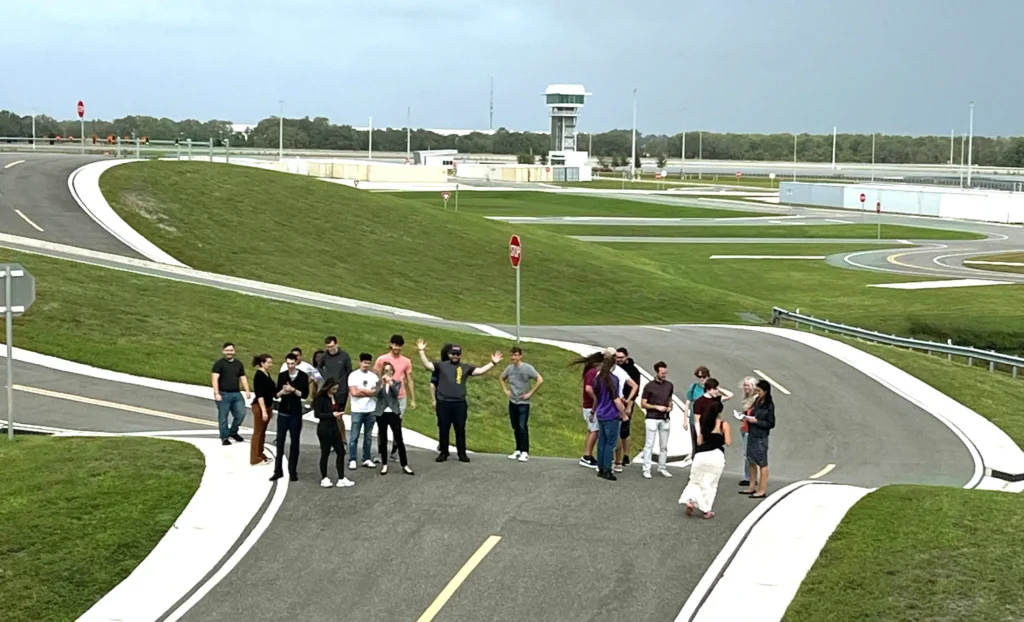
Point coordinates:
[(564, 102)]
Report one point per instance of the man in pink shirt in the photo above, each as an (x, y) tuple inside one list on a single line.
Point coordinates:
[(403, 374)]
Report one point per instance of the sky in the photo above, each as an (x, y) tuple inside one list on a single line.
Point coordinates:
[(891, 66)]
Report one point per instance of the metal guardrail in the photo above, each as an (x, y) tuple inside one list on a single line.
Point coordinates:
[(991, 357)]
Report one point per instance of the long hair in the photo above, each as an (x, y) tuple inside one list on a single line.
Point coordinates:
[(446, 350), (326, 389), (605, 379), (748, 398), (766, 399), (586, 363), (709, 418)]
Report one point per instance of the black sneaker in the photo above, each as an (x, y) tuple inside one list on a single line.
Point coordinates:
[(441, 458), (610, 476), (589, 462), (225, 441), (237, 438), (294, 478), (276, 476), (463, 458), (744, 482), (625, 459)]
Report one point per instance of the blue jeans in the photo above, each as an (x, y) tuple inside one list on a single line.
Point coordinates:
[(230, 402), (519, 417), (364, 422), (607, 439)]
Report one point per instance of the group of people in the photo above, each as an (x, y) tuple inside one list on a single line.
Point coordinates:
[(377, 391), (610, 392)]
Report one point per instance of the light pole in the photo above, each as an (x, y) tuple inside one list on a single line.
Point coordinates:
[(33, 131), (408, 132), (951, 133), (794, 157), (280, 131), (963, 139), (872, 157), (632, 160), (369, 154), (970, 144), (700, 155), (833, 147)]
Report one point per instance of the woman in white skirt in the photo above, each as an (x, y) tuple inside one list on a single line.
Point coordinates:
[(708, 462)]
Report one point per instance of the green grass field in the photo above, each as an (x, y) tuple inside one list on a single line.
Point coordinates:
[(560, 204), (888, 232), (187, 324), (1004, 257), (77, 515)]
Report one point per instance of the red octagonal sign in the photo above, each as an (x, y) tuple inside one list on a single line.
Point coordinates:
[(515, 251), (862, 197)]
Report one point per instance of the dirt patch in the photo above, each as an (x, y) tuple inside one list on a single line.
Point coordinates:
[(147, 208)]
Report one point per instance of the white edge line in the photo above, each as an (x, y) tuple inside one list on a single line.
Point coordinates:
[(704, 586), (12, 164), (28, 220), (661, 328), (772, 382), (268, 516), (828, 469), (767, 257)]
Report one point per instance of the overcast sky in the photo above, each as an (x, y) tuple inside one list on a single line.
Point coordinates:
[(894, 66)]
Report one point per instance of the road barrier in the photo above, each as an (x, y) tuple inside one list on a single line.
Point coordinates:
[(991, 357)]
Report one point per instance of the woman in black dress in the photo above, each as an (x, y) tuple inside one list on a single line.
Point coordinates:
[(761, 421)]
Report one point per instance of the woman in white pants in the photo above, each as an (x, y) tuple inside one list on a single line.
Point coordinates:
[(708, 462)]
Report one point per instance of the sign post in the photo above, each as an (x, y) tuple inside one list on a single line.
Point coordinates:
[(515, 255), (81, 120), (19, 293), (444, 197), (771, 179), (878, 212)]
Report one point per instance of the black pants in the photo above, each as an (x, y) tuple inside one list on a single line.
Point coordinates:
[(519, 417), (449, 415), (330, 438), (393, 421), (291, 425)]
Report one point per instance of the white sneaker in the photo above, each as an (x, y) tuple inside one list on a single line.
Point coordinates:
[(514, 456), (326, 483), (664, 473), (523, 457), (647, 474), (368, 464), (345, 482), (617, 468), (352, 466)]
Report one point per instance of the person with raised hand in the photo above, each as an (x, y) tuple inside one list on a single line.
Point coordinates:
[(389, 416), (452, 408)]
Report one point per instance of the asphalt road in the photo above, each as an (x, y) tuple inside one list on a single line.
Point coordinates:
[(573, 547)]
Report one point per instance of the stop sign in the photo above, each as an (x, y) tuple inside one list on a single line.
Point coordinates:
[(863, 197), (81, 109), (515, 251)]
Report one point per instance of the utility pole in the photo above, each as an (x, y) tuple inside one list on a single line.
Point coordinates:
[(369, 154), (833, 147), (490, 124), (682, 166), (280, 131), (951, 147), (33, 131), (700, 154), (970, 144), (963, 139), (632, 160), (794, 157), (408, 132), (872, 157)]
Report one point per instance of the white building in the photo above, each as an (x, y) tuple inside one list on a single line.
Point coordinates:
[(435, 157), (564, 102)]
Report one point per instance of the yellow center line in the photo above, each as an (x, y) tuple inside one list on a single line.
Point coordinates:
[(15, 163), (828, 469), (894, 259), (28, 220), (113, 405), (772, 382), (459, 578)]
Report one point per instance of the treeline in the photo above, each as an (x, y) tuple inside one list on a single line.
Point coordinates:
[(612, 147)]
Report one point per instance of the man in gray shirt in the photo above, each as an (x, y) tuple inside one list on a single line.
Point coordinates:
[(519, 392), (452, 409)]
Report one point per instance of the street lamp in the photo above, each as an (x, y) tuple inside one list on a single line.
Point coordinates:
[(970, 143), (280, 131), (632, 160)]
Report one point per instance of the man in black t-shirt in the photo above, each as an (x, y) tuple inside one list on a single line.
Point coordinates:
[(452, 409), (227, 374), (625, 446)]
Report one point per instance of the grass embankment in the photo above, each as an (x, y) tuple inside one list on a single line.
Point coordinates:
[(919, 553), (186, 325), (1004, 257), (889, 232), (561, 204), (77, 515)]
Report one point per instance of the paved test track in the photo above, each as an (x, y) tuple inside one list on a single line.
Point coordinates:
[(578, 548)]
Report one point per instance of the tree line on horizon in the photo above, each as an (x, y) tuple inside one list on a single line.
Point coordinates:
[(613, 147)]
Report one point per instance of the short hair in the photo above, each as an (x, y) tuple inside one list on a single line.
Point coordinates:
[(398, 340), (623, 350), (702, 372), (710, 383), (365, 356), (227, 344), (297, 350), (330, 339), (516, 350), (291, 357), (660, 365)]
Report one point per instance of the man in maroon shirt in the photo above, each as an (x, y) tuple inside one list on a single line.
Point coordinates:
[(712, 393)]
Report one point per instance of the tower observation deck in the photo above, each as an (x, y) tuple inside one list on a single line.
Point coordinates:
[(564, 102)]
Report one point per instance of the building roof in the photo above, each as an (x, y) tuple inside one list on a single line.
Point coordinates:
[(566, 89)]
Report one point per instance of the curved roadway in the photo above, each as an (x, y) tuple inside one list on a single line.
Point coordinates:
[(573, 547)]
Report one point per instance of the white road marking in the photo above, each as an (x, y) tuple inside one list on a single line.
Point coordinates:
[(992, 263), (904, 241), (27, 219), (661, 328), (839, 222), (828, 469), (15, 163), (940, 284), (772, 382), (766, 257)]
